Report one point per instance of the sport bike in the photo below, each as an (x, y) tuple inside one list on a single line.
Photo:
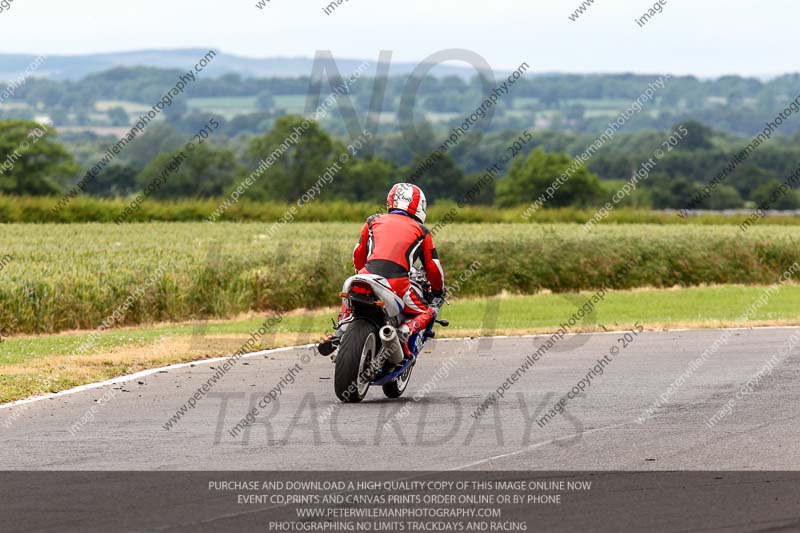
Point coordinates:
[(370, 352)]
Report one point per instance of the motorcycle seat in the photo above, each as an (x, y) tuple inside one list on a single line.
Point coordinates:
[(393, 304)]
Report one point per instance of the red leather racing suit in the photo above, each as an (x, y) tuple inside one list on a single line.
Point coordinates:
[(388, 247)]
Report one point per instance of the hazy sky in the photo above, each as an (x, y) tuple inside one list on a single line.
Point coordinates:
[(701, 37)]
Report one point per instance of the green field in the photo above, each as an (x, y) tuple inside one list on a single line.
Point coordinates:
[(226, 106), (292, 103), (230, 106), (36, 365), (75, 276), (131, 108)]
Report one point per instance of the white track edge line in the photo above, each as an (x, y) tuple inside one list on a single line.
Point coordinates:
[(145, 373)]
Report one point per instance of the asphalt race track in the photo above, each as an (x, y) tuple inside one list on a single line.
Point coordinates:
[(122, 426)]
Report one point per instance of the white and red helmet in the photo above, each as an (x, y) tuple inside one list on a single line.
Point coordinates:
[(409, 198)]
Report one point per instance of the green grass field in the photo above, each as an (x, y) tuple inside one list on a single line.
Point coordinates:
[(292, 103), (129, 107), (230, 106), (36, 365), (226, 106), (76, 276)]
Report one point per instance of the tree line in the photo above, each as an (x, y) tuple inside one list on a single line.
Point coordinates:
[(216, 166)]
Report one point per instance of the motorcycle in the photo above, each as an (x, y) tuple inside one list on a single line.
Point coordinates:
[(370, 352)]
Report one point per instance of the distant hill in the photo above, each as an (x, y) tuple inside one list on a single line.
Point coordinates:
[(75, 67)]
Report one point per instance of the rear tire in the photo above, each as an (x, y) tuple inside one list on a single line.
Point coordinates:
[(396, 388), (357, 350)]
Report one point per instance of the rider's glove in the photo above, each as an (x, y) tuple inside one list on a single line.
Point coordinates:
[(438, 294)]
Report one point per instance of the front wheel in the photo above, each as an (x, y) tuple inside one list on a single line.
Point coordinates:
[(354, 362), (396, 388)]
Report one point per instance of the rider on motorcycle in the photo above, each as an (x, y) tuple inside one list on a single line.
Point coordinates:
[(388, 247)]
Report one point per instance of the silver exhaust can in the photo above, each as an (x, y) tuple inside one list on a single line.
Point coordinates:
[(392, 350)]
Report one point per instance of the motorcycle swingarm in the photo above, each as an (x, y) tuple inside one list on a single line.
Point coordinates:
[(388, 378)]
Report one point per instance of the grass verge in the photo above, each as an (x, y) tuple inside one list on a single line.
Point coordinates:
[(41, 364)]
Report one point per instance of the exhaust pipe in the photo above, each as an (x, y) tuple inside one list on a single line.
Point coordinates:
[(392, 350)]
